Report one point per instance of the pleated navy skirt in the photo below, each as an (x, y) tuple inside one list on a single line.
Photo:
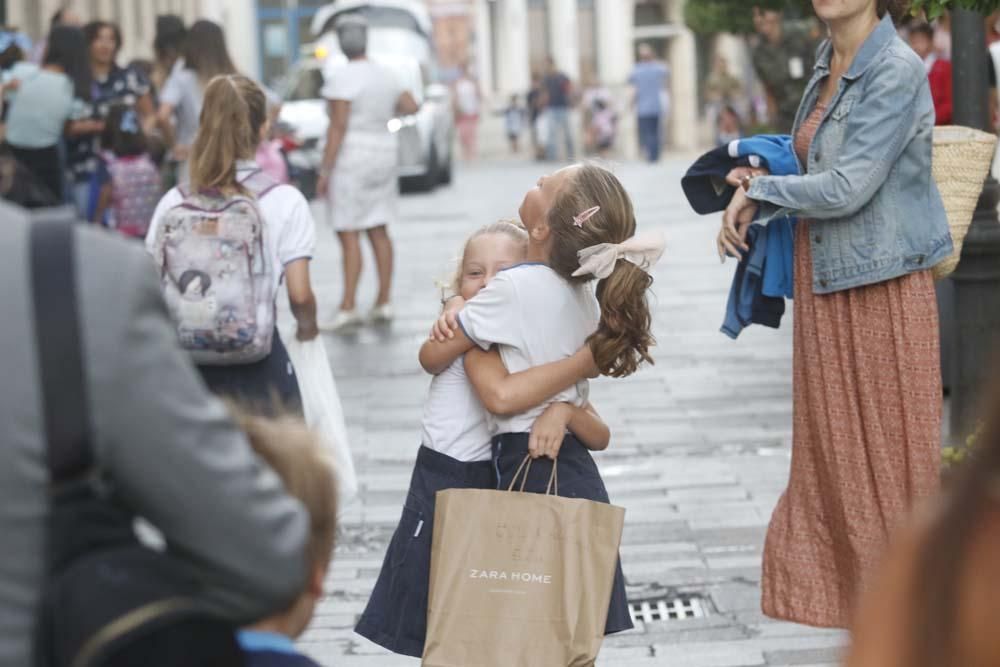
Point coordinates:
[(266, 387), (396, 615)]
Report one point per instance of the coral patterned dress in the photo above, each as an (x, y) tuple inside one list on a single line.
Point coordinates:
[(866, 438)]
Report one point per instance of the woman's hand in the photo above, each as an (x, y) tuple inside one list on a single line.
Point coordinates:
[(548, 431), (446, 325), (735, 223), (736, 176)]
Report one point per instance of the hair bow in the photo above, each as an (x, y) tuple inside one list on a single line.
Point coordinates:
[(129, 123), (643, 250)]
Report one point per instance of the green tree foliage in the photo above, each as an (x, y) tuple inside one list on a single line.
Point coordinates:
[(735, 16), (706, 17), (935, 8)]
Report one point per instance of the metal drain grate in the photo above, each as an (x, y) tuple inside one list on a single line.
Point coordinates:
[(668, 609)]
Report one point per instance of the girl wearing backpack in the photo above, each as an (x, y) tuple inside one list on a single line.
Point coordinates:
[(128, 179), (225, 242)]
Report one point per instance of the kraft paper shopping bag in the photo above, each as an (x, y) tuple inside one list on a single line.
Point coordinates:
[(519, 579)]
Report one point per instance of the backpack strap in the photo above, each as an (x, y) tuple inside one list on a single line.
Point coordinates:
[(259, 183), (60, 359)]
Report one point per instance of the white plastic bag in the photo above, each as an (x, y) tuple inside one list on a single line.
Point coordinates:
[(323, 412)]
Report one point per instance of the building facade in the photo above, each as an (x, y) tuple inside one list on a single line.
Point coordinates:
[(502, 42), (593, 41), (137, 19)]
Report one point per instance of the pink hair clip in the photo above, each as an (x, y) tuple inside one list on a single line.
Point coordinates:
[(585, 216)]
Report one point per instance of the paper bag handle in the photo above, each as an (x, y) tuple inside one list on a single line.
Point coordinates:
[(552, 488)]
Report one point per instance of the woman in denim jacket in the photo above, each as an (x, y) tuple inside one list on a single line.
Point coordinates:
[(867, 384)]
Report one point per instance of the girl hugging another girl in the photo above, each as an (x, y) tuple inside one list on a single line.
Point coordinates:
[(521, 337)]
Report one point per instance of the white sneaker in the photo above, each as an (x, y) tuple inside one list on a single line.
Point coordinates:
[(345, 319), (381, 314)]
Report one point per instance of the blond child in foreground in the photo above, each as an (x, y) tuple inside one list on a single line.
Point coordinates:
[(296, 455)]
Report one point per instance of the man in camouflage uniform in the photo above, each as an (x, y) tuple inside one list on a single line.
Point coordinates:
[(783, 59)]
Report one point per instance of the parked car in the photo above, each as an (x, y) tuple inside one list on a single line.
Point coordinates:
[(399, 37)]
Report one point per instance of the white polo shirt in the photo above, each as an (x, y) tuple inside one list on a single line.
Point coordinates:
[(534, 317), (454, 418)]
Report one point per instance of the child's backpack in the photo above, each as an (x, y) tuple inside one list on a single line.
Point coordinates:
[(135, 190), (216, 275)]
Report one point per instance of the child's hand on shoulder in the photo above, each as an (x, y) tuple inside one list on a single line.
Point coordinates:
[(445, 327)]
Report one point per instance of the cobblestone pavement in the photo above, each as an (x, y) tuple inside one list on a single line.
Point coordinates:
[(700, 447)]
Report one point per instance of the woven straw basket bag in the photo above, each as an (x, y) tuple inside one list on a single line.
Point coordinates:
[(962, 158)]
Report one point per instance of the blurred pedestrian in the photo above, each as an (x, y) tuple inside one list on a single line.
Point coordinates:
[(603, 128), (558, 104), (168, 49), (14, 48), (127, 178), (942, 36), (64, 16), (297, 455), (467, 106), (938, 71), (43, 104), (205, 57), (199, 285), (724, 96), (783, 59), (513, 121), (111, 85), (866, 444), (535, 100), (722, 87), (358, 178), (649, 81), (936, 598), (729, 127), (166, 450)]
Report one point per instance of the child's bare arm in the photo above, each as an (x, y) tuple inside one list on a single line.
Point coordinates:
[(504, 393)]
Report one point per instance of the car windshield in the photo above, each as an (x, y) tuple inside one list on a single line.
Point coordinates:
[(380, 17), (305, 83)]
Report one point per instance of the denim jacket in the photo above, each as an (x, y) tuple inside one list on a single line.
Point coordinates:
[(876, 210)]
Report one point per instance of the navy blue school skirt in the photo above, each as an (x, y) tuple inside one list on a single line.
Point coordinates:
[(264, 387), (396, 615), (578, 478)]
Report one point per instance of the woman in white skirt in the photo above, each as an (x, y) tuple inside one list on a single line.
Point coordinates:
[(358, 177)]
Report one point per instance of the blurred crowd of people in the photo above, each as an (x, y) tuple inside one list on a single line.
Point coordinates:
[(545, 113), (82, 128)]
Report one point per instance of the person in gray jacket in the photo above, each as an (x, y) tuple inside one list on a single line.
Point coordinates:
[(167, 445)]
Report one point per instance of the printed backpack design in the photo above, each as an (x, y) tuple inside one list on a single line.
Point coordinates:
[(135, 192), (216, 274)]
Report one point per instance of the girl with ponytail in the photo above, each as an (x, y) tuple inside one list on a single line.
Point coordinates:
[(581, 228), (233, 123)]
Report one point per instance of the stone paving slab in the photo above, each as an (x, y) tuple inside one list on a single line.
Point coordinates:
[(700, 445)]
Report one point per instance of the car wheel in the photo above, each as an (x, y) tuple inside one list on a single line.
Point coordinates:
[(429, 179), (445, 172)]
